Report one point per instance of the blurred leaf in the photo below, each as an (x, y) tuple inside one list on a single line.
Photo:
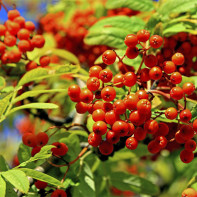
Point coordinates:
[(3, 164), (42, 73), (194, 78), (142, 5), (2, 83), (171, 6), (187, 79), (44, 153), (125, 181), (194, 113), (41, 176), (34, 106), (2, 187), (69, 182), (112, 31), (7, 89), (10, 190), (34, 93), (79, 132), (18, 179), (153, 21)]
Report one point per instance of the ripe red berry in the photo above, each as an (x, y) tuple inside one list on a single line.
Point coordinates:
[(40, 184), (60, 149), (118, 80), (106, 148), (186, 156), (137, 118), (109, 57), (24, 45), (94, 71), (99, 127), (108, 93), (12, 14), (156, 41), (93, 83), (144, 106), (162, 141), (131, 143), (131, 129), (2, 47), (178, 59), (140, 133), (171, 113), (106, 75), (42, 139), (81, 107), (44, 61), (10, 40), (112, 137), (144, 75), (176, 93), (130, 79), (74, 90), (120, 127), (29, 139), (155, 73), (150, 60), (38, 41), (31, 65), (189, 192), (185, 115), (169, 67), (151, 126), (23, 34), (142, 94), (187, 132), (131, 101), (188, 88), (131, 40), (163, 129), (111, 117), (35, 150), (195, 125), (143, 35), (190, 145), (176, 78), (59, 193), (2, 30), (98, 114), (29, 26), (153, 147), (119, 107), (86, 96), (132, 52), (20, 20), (94, 139)]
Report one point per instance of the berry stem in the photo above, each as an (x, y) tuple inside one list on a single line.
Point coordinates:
[(141, 63)]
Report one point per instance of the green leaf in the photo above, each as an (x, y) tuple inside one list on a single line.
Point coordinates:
[(194, 113), (125, 181), (142, 5), (34, 93), (4, 102), (113, 30), (42, 73), (2, 187), (18, 179), (2, 83), (35, 106), (3, 164), (171, 6), (187, 79), (10, 190), (41, 176), (44, 153), (194, 78)]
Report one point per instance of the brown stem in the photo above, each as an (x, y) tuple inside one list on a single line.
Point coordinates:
[(141, 63), (65, 174)]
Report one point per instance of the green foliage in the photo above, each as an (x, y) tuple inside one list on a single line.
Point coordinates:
[(3, 164), (125, 181), (41, 176), (2, 83), (18, 179), (113, 30), (194, 113), (2, 187), (142, 5)]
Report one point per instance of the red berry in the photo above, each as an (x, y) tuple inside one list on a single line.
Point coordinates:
[(93, 83), (151, 126), (118, 80), (171, 113), (131, 40), (109, 57), (131, 143), (144, 75), (42, 139), (81, 107), (44, 61), (94, 71), (98, 114), (189, 192), (13, 14), (162, 141), (29, 26), (23, 34), (176, 93), (24, 45), (132, 52), (2, 30), (188, 88), (111, 117), (59, 193), (155, 73), (94, 139), (31, 65), (40, 184), (119, 107), (130, 79), (106, 75), (195, 125), (176, 78), (120, 127), (144, 106), (137, 118), (187, 132), (140, 133), (86, 96), (112, 137), (178, 58), (35, 150), (99, 127), (38, 41), (20, 20), (169, 67), (153, 147), (74, 90), (106, 148), (108, 93), (29, 139), (61, 149), (150, 60), (163, 129), (2, 47), (142, 94), (190, 145), (179, 138), (185, 115), (156, 41), (143, 35), (186, 156), (131, 101), (10, 40)]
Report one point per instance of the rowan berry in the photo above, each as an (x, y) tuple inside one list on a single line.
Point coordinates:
[(143, 35), (131, 40), (144, 106), (150, 61), (131, 101), (35, 150), (59, 193), (23, 34), (163, 129), (24, 45), (31, 65), (171, 113), (132, 52), (120, 127), (187, 132), (162, 141), (144, 75), (118, 80), (29, 26), (44, 61), (185, 115), (195, 125), (2, 30), (94, 139), (155, 73), (176, 93), (186, 156), (111, 117), (29, 139), (190, 145), (99, 127), (108, 93), (81, 107), (188, 88), (94, 71), (2, 47), (60, 149), (12, 14), (169, 67), (109, 57), (74, 90), (156, 41), (153, 147), (178, 58), (119, 107), (106, 148), (140, 133), (131, 129), (86, 96), (10, 40), (42, 139), (98, 114), (38, 41), (179, 138), (20, 20), (131, 143), (142, 94), (189, 192), (98, 105), (151, 126), (12, 28), (40, 184), (112, 137), (137, 118), (176, 78), (130, 79), (106, 75), (108, 106)]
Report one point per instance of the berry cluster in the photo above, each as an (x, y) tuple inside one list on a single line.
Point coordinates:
[(70, 36), (122, 11), (130, 115), (18, 38), (184, 43)]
